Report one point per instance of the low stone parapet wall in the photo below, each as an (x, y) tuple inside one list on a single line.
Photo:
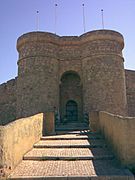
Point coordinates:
[(17, 138), (49, 124), (119, 131), (94, 121)]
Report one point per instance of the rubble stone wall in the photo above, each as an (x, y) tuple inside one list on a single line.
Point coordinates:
[(8, 101), (130, 90)]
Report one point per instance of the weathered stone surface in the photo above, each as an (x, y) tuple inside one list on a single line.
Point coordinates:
[(130, 89), (49, 124), (120, 133), (8, 101), (18, 137)]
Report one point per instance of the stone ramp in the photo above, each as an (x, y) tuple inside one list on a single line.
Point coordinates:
[(70, 156)]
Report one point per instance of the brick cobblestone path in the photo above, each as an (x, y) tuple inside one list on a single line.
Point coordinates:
[(75, 155)]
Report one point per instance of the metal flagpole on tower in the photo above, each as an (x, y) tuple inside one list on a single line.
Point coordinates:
[(102, 14), (37, 20), (83, 18), (55, 23)]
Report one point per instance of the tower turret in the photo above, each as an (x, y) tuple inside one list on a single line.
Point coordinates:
[(37, 85), (103, 72)]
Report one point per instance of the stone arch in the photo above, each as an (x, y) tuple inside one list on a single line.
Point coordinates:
[(71, 90), (70, 72), (62, 74)]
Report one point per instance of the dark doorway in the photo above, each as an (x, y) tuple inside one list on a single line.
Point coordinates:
[(71, 96), (71, 111)]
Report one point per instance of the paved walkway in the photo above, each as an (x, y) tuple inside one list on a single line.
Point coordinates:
[(71, 156)]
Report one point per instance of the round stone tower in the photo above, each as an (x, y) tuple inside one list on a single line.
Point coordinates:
[(103, 72), (37, 83)]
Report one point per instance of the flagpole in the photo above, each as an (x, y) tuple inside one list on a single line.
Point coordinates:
[(83, 18), (37, 20), (102, 14), (55, 23)]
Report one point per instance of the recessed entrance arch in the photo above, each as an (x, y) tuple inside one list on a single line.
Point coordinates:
[(71, 97), (71, 111)]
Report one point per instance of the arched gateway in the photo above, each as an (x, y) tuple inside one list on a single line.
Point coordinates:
[(71, 107)]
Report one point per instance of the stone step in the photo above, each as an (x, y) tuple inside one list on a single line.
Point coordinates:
[(76, 178), (73, 125), (71, 146), (63, 158), (77, 143), (71, 128), (83, 132), (68, 154), (70, 170), (71, 137), (75, 155)]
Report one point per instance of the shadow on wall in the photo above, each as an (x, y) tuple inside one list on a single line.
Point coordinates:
[(7, 115), (119, 132)]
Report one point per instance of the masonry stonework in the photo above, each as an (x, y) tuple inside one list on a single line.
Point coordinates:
[(8, 101), (130, 88), (72, 75), (103, 72), (38, 74)]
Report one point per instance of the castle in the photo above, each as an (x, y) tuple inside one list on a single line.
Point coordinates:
[(71, 75)]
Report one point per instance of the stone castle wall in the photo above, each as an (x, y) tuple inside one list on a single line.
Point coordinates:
[(8, 101), (95, 56), (130, 89)]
